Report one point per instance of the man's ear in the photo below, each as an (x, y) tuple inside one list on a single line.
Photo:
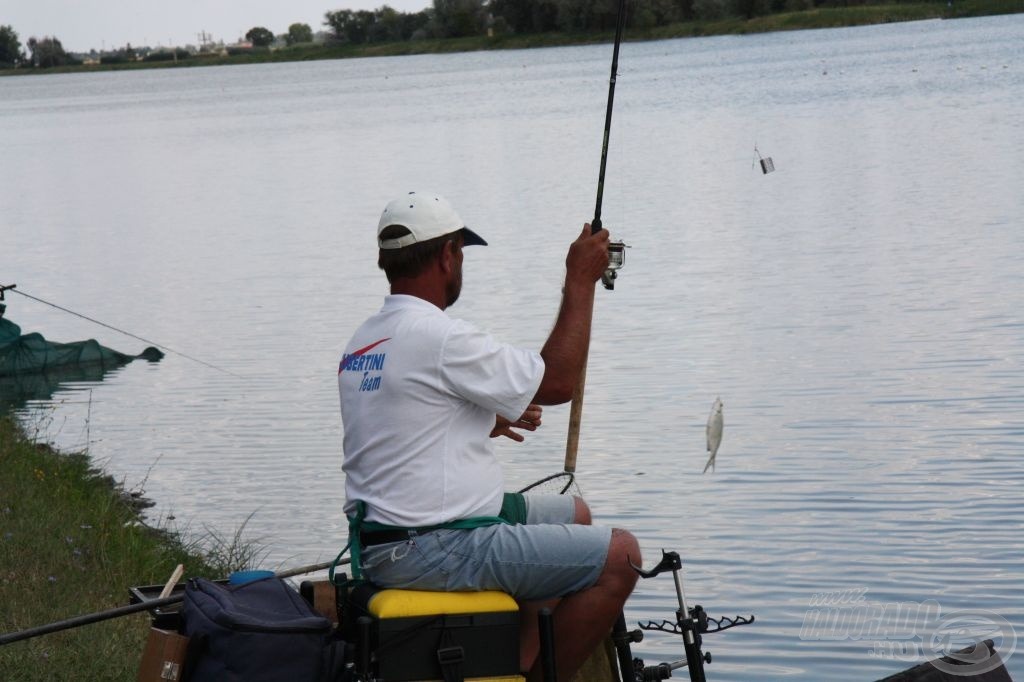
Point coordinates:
[(447, 259)]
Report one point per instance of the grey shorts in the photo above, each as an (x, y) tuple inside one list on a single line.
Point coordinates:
[(548, 556)]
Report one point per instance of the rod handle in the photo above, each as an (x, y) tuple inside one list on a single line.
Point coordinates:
[(572, 441)]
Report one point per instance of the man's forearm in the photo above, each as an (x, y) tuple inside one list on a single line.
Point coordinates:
[(565, 351)]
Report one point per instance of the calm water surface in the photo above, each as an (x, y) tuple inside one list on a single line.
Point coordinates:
[(859, 311)]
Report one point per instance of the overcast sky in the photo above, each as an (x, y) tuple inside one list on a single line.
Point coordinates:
[(81, 25)]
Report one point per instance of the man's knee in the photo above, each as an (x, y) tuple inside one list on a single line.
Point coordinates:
[(582, 515), (625, 547), (623, 550)]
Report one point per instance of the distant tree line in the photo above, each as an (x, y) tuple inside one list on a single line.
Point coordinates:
[(48, 52), (460, 18), (449, 19), (42, 52), (297, 34), (10, 48)]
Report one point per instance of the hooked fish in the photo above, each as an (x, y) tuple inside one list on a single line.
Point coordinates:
[(714, 433)]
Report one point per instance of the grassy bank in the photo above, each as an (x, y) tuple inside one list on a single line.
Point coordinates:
[(70, 544), (822, 17)]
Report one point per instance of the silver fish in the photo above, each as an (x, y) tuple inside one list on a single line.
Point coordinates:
[(714, 433)]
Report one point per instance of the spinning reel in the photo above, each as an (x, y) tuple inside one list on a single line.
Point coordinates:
[(616, 259)]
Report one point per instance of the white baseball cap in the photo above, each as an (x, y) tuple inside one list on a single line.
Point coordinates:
[(426, 215)]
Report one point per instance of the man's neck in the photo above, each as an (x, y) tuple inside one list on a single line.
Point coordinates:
[(413, 287)]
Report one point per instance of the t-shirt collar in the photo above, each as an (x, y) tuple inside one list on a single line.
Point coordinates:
[(399, 301)]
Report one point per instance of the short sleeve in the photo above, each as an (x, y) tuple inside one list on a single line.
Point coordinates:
[(496, 376)]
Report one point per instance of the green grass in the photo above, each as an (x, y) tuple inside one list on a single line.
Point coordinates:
[(71, 543), (823, 17)]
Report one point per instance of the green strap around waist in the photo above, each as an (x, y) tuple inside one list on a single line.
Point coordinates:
[(358, 523)]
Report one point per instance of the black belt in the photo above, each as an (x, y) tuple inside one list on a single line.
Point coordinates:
[(368, 538)]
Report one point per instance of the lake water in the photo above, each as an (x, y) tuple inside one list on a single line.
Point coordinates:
[(860, 311)]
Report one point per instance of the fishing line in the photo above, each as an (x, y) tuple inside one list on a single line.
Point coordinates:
[(121, 331)]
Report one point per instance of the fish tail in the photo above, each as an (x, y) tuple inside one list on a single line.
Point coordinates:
[(711, 464)]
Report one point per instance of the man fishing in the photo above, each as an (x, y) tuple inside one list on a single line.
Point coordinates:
[(422, 394)]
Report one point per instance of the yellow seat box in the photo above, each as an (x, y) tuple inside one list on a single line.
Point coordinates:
[(413, 631)]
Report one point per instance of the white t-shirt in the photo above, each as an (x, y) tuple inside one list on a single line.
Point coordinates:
[(419, 392)]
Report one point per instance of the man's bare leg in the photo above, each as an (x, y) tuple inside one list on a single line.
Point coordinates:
[(583, 516), (583, 619), (529, 636), (529, 639)]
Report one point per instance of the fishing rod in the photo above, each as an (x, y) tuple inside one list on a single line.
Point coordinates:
[(616, 250), (145, 605), (11, 287)]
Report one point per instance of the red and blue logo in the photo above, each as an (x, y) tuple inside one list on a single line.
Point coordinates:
[(364, 361)]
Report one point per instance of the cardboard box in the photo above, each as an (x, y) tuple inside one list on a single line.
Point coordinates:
[(163, 659)]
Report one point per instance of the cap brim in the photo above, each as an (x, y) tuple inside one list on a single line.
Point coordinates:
[(471, 238)]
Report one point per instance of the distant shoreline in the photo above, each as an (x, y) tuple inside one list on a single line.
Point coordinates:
[(819, 18)]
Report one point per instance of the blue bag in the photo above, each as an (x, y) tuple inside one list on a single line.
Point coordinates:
[(261, 631)]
